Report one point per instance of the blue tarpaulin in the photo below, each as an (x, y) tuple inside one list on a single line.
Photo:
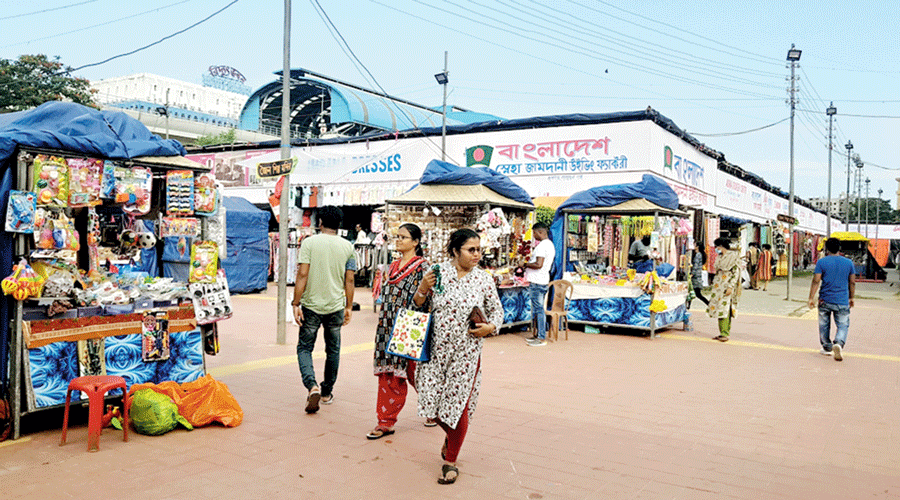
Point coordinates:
[(441, 172), (651, 188), (75, 129)]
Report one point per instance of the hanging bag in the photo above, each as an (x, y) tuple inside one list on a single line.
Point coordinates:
[(411, 336)]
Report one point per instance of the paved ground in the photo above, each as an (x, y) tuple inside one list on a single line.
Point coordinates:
[(598, 416)]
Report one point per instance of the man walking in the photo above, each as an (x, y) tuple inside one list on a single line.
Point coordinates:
[(752, 263), (836, 274), (537, 272), (323, 296)]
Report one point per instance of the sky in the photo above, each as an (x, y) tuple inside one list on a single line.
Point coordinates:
[(717, 69)]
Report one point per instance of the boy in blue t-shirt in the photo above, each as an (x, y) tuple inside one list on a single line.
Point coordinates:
[(837, 277)]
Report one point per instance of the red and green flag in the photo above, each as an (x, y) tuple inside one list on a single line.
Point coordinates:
[(479, 156)]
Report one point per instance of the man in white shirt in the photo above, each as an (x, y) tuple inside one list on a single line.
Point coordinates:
[(537, 272)]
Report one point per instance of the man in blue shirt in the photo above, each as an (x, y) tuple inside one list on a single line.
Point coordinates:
[(836, 275)]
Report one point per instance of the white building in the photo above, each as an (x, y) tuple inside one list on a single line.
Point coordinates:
[(838, 204)]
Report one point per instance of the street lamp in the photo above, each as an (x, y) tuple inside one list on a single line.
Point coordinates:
[(793, 56), (859, 166), (849, 147), (877, 216), (830, 111), (442, 79), (867, 207)]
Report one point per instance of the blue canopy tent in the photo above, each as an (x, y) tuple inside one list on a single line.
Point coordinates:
[(651, 188), (75, 130)]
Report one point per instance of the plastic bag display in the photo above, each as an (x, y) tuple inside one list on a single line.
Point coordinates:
[(20, 211), (133, 190), (180, 192), (153, 413), (54, 231), (51, 181), (201, 402), (206, 196), (84, 182)]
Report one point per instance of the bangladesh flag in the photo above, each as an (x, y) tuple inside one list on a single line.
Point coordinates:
[(479, 156)]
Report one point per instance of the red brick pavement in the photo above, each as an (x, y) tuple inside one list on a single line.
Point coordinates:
[(598, 416)]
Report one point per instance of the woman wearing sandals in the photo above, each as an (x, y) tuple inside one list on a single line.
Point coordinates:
[(403, 279), (726, 288), (448, 384)]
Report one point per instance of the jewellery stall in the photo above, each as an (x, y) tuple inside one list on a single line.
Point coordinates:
[(591, 231), (93, 194), (450, 198)]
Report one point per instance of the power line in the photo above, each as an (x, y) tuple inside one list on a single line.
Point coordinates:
[(46, 10), (154, 43), (95, 25), (852, 115), (726, 134)]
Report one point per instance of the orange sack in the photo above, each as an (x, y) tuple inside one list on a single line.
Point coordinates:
[(201, 402)]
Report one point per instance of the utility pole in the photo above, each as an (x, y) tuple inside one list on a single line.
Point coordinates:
[(281, 333), (867, 207), (793, 56), (877, 217), (443, 79), (830, 112), (859, 166), (849, 147), (167, 113)]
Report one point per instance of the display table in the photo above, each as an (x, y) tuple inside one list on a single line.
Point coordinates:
[(516, 305), (52, 354), (624, 306)]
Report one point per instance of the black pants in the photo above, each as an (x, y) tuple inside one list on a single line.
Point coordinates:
[(699, 294)]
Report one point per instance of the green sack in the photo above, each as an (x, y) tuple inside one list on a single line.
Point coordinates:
[(153, 413)]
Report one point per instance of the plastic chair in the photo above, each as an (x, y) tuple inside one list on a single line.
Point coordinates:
[(562, 292), (96, 387)]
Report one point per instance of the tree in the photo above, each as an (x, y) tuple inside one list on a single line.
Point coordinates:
[(35, 79), (212, 140)]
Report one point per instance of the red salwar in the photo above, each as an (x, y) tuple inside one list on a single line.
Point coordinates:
[(455, 437), (392, 395)]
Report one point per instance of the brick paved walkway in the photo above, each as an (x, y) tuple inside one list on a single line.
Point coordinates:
[(598, 416)]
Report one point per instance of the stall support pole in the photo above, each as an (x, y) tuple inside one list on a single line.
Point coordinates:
[(281, 334), (15, 359)]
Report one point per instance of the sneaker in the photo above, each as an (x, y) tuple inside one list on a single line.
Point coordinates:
[(327, 400), (312, 401), (537, 342), (823, 352), (838, 355)]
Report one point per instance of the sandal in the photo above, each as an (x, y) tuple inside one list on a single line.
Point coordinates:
[(447, 470), (721, 338), (378, 433), (430, 422)]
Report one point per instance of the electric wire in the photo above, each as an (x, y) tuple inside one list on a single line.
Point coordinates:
[(727, 134), (71, 70), (16, 16)]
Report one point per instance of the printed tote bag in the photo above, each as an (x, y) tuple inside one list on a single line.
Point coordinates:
[(410, 337)]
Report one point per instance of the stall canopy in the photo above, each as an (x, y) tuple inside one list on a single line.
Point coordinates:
[(441, 172), (650, 190), (75, 129), (247, 234)]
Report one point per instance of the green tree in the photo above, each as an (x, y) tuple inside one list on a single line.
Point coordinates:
[(212, 140), (544, 214), (32, 80), (879, 210)]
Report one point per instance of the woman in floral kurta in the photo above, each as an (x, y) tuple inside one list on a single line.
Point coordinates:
[(448, 384), (726, 288), (764, 268), (403, 278)]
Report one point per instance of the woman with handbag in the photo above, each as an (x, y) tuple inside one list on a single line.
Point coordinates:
[(726, 288), (448, 384), (403, 278)]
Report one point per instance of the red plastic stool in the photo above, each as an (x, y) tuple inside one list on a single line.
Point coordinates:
[(96, 387)]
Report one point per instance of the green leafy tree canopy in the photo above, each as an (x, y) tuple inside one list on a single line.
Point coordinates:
[(212, 140), (32, 80)]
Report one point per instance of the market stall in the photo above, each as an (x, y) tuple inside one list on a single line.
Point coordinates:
[(592, 232), (88, 195), (856, 247), (451, 197)]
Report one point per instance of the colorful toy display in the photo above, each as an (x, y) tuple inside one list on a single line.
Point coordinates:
[(51, 181), (204, 262), (113, 171), (84, 182), (180, 192), (23, 282), (133, 191), (20, 211), (206, 196), (174, 226), (212, 301), (54, 231)]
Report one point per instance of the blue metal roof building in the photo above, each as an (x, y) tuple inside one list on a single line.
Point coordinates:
[(323, 106)]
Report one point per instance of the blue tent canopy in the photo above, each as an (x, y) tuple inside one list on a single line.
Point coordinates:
[(75, 129), (441, 172), (651, 188), (247, 233)]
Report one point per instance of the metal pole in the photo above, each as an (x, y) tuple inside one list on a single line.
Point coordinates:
[(867, 207), (167, 113), (286, 187), (877, 218), (444, 117), (858, 195), (793, 60), (830, 112), (849, 147)]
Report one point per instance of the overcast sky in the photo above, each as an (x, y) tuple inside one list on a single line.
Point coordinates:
[(712, 67)]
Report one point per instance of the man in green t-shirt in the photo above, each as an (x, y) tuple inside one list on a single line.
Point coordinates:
[(323, 296)]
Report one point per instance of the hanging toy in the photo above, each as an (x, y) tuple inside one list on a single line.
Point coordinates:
[(23, 283), (20, 212), (438, 283)]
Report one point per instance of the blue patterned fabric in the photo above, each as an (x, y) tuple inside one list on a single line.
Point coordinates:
[(54, 365), (622, 311), (516, 304)]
